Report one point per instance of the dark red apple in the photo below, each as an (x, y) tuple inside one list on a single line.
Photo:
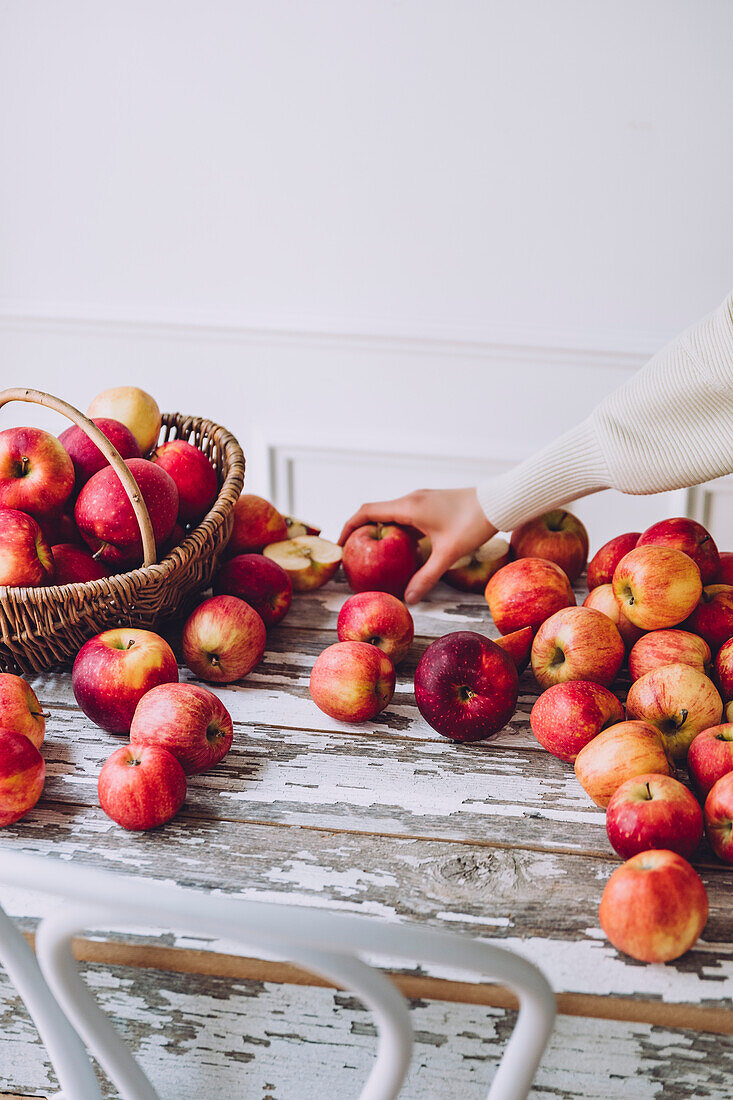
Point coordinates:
[(25, 556), (260, 582), (466, 686), (36, 474), (689, 537), (712, 619), (653, 811), (72, 565), (141, 786), (601, 566), (725, 568), (380, 557), (194, 476), (86, 455), (187, 720)]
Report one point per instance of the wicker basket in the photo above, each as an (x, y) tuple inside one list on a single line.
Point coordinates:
[(43, 628)]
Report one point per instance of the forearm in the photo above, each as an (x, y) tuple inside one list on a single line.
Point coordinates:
[(669, 426)]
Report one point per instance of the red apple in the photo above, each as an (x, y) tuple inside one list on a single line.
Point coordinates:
[(379, 619), (577, 643), (194, 476), (175, 539), (724, 669), (712, 619), (654, 907), (526, 592), (718, 813), (710, 757), (518, 645), (689, 537), (557, 536), (141, 786), (223, 639), (36, 474), (380, 557), (653, 811), (187, 720), (601, 598), (352, 681), (72, 565), (260, 582), (656, 586), (20, 710), (297, 527), (113, 671), (257, 523), (133, 407), (619, 753), (22, 773), (106, 519), (86, 455), (603, 563), (725, 568), (679, 701), (567, 716), (466, 686), (308, 560), (668, 647), (25, 556), (471, 573)]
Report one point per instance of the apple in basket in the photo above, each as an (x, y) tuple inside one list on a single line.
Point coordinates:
[(352, 681), (603, 563), (106, 518), (141, 786), (133, 407), (20, 710), (223, 639), (187, 720), (379, 619), (72, 565), (557, 536), (36, 474), (656, 586), (689, 537), (653, 811), (25, 556), (113, 670), (309, 560), (194, 476), (86, 455), (260, 582), (471, 573), (22, 774), (380, 557), (526, 592), (256, 523)]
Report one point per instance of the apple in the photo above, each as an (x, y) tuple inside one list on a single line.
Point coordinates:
[(724, 669), (113, 670), (299, 527), (106, 519), (194, 476), (471, 573), (518, 645), (25, 556), (725, 568), (380, 557), (223, 639), (668, 647), (710, 757), (466, 686), (352, 681), (718, 813), (59, 528), (526, 592), (308, 560), (20, 710), (577, 643), (86, 455), (689, 537), (424, 550), (134, 408), (379, 619), (656, 586), (567, 716), (619, 753), (679, 701), (72, 565), (601, 598), (712, 619), (22, 773), (653, 811), (141, 786), (175, 539), (256, 524), (557, 536), (187, 720), (36, 474), (603, 563), (654, 907), (260, 582)]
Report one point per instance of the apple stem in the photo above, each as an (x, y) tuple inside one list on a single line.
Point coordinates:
[(130, 644)]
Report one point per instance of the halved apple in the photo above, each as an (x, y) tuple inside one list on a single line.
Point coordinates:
[(309, 561), (471, 573), (518, 645), (298, 527)]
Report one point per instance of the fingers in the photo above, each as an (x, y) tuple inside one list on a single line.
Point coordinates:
[(426, 578), (386, 511)]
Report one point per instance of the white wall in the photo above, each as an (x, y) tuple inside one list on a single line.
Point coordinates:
[(431, 229)]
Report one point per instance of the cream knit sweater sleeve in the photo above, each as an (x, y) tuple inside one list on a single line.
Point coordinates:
[(669, 426)]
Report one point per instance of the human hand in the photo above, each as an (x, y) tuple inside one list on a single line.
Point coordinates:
[(452, 519)]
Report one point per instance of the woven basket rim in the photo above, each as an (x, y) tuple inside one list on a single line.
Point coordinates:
[(180, 555)]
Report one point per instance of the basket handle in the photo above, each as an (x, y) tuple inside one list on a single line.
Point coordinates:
[(113, 456)]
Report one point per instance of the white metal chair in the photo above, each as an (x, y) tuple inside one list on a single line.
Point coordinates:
[(327, 944)]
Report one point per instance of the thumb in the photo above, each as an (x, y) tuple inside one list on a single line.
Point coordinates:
[(426, 578)]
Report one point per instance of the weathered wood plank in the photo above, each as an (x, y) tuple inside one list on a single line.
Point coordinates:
[(197, 1036)]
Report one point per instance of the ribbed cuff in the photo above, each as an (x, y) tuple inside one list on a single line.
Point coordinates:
[(570, 467)]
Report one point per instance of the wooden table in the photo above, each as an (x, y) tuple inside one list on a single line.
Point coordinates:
[(495, 840)]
